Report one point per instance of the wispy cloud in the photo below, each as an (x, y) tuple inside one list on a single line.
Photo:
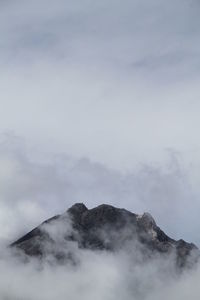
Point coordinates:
[(36, 186)]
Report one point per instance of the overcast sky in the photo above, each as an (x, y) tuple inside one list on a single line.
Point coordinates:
[(114, 82)]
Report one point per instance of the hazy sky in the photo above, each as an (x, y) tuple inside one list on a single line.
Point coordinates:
[(115, 81), (102, 87)]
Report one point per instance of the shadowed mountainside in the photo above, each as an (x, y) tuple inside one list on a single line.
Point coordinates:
[(103, 228)]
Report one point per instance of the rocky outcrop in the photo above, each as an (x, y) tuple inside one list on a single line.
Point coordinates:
[(104, 228)]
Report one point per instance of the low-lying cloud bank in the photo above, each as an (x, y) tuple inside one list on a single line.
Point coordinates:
[(99, 276), (95, 275)]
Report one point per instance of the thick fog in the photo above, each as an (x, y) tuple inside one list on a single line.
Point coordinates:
[(99, 276)]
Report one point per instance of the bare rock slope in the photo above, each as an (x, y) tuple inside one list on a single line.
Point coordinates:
[(105, 228)]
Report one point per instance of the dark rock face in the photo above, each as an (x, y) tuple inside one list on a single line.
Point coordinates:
[(104, 228)]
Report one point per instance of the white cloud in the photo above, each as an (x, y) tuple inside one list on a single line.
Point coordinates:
[(99, 275)]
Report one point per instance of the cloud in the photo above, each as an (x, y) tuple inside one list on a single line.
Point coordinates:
[(35, 186), (100, 276), (96, 274)]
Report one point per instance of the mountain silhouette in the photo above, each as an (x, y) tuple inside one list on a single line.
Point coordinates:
[(103, 228)]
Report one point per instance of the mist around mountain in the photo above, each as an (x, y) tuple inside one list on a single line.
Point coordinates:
[(33, 191), (104, 228), (101, 253)]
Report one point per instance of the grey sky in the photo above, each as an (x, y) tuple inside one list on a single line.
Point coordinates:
[(117, 83), (87, 77)]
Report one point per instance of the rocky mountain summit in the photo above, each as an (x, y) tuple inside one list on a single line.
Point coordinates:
[(103, 228)]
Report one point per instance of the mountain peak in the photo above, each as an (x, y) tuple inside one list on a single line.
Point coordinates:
[(104, 227), (77, 208)]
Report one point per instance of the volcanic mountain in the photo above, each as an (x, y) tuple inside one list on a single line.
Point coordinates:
[(103, 228)]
